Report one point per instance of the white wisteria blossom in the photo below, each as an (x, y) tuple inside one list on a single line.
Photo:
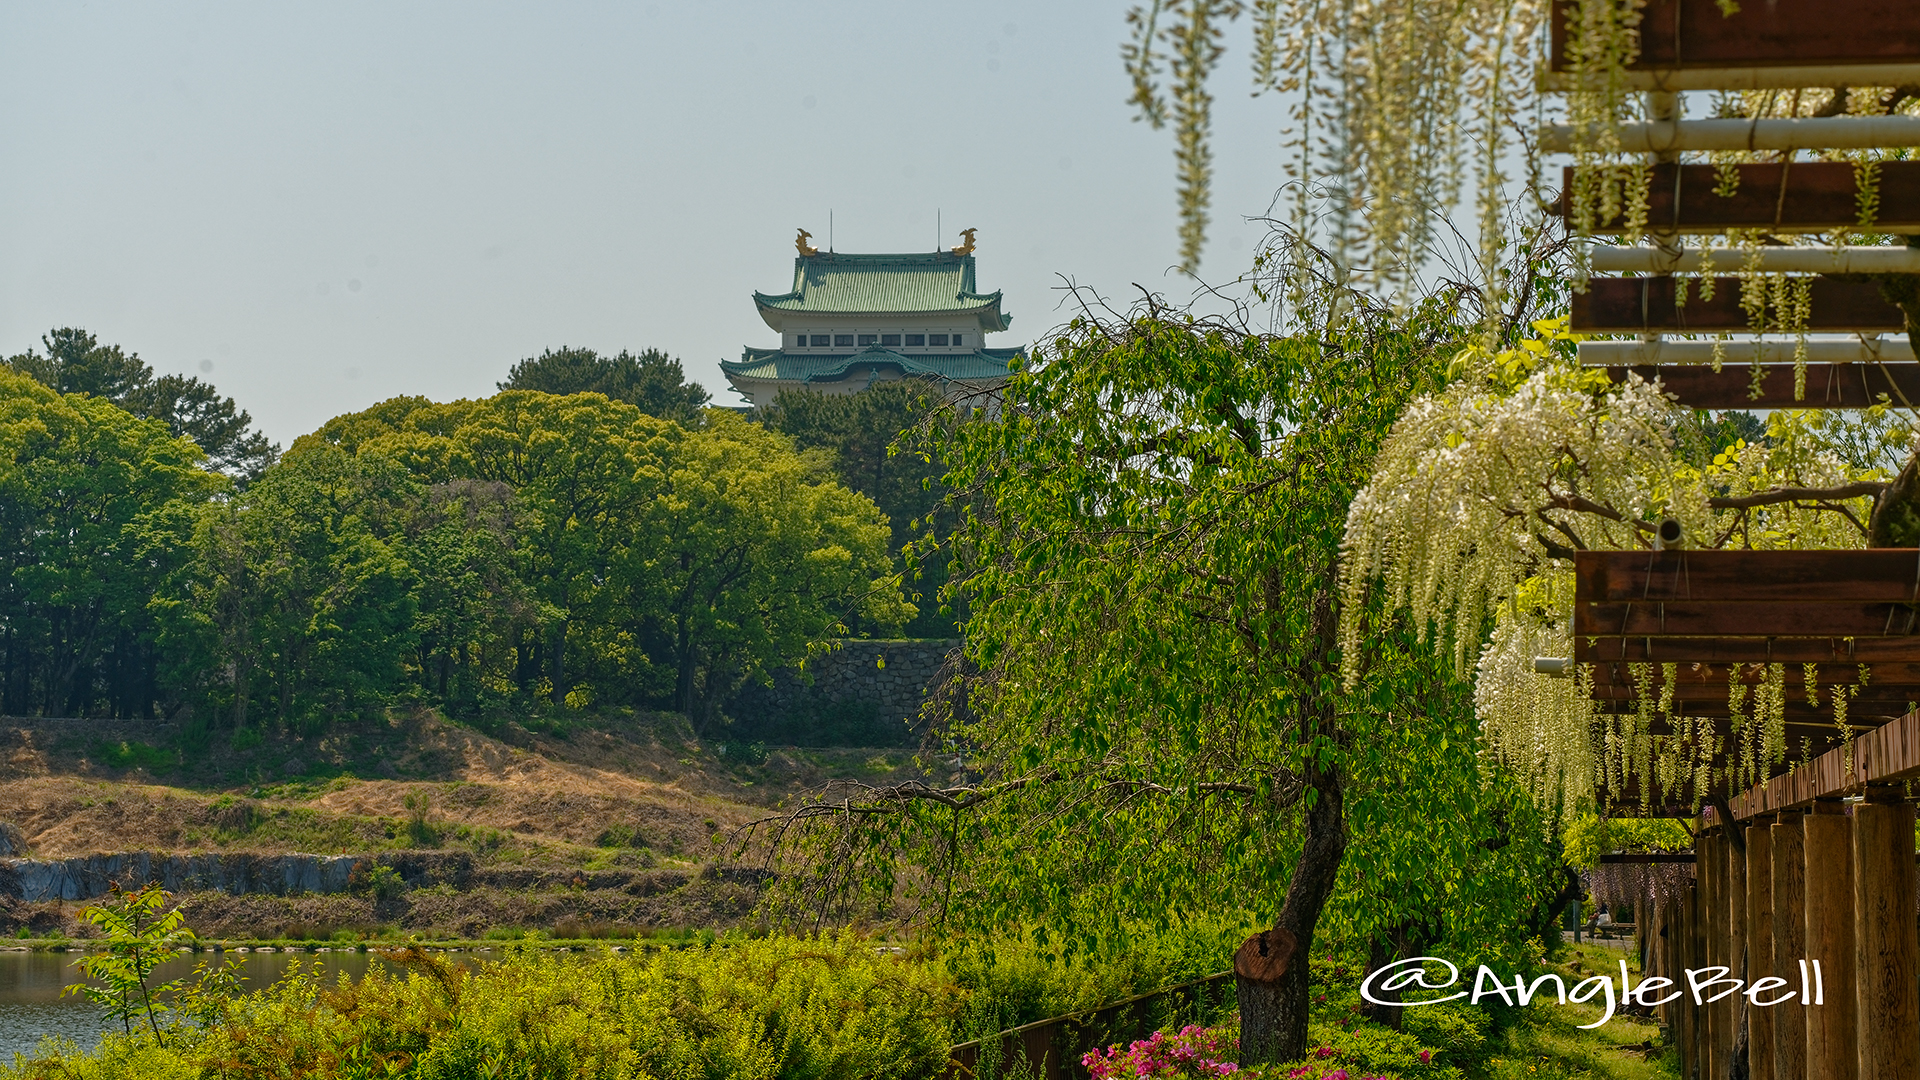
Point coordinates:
[(1480, 498), (1540, 727), (1477, 487)]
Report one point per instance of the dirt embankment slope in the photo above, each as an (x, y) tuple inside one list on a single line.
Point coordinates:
[(633, 803)]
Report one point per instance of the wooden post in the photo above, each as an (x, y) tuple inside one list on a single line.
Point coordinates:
[(1734, 1004), (1642, 915), (1719, 936), (1691, 942), (1660, 951), (1759, 947), (1702, 954), (1832, 1052), (1886, 952), (1789, 947), (1682, 1014)]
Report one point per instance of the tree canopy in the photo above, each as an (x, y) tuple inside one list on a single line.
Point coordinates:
[(861, 434), (95, 508), (650, 379), (76, 363), (527, 549)]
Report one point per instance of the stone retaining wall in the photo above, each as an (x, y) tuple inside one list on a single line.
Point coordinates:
[(89, 876), (240, 874)]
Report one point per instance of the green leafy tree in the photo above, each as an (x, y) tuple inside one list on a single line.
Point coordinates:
[(649, 379), (471, 604), (95, 507), (649, 562), (862, 434), (1150, 549), (140, 936), (583, 467), (76, 363), (298, 579), (747, 558)]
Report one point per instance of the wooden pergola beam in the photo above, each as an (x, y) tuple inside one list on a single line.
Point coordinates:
[(1693, 618), (1828, 386), (1679, 36), (1646, 305), (1805, 196), (1887, 754), (1745, 650), (1815, 722), (1695, 698), (1900, 673), (1873, 575)]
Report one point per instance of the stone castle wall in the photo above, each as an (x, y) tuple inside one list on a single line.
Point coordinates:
[(894, 678)]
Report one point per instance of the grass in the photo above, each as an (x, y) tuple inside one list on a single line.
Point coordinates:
[(126, 754), (1550, 1045)]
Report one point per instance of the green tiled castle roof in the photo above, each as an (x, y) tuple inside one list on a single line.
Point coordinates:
[(930, 282), (775, 364)]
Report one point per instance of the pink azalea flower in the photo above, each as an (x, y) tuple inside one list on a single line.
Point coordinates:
[(1426, 1056)]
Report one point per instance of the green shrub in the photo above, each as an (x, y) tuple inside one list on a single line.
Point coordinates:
[(1458, 1034), (125, 754), (420, 831), (379, 882), (754, 1010), (619, 835), (1009, 982), (1363, 1050)]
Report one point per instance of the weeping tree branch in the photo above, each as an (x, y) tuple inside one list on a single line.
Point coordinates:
[(867, 800), (1824, 498), (1781, 495)]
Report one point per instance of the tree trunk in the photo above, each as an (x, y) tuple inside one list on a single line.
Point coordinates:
[(1260, 1017), (556, 660), (1379, 954), (1273, 1020), (241, 673), (683, 682)]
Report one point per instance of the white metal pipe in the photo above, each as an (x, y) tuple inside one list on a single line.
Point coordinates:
[(1798, 260), (1630, 353), (1817, 133), (1750, 78)]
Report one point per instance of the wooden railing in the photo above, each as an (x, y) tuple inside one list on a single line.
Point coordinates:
[(1050, 1049)]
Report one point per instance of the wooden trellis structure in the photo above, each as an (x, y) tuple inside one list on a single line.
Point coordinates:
[(1818, 863), (1788, 45)]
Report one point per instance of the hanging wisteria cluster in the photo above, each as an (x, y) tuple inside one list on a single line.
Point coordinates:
[(1400, 110), (1624, 884), (1478, 487), (1479, 499)]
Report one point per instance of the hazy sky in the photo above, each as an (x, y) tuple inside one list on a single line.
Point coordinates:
[(319, 206)]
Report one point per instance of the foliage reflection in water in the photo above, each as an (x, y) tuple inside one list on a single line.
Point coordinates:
[(33, 1007)]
